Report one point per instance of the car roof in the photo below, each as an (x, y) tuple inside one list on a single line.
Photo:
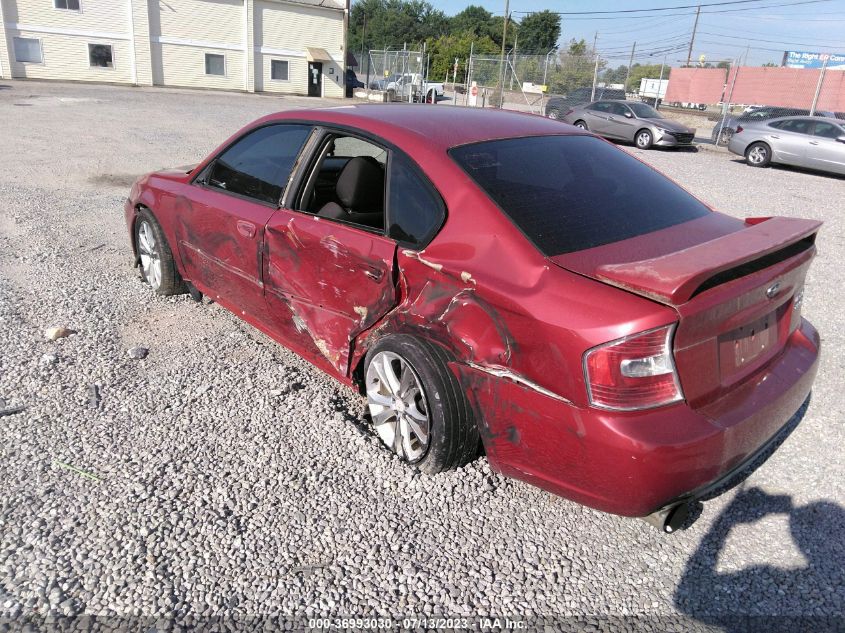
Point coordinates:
[(802, 117), (442, 126)]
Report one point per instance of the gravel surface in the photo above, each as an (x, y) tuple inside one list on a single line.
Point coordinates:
[(171, 461)]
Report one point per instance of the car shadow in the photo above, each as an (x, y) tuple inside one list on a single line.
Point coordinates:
[(794, 169), (767, 597)]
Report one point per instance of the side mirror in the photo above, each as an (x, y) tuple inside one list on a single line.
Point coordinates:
[(841, 139), (628, 115)]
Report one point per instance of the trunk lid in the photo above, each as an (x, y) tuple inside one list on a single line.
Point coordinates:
[(734, 285)]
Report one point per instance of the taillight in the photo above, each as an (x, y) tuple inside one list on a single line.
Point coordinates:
[(634, 372), (738, 129)]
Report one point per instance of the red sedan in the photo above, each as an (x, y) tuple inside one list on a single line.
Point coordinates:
[(492, 275)]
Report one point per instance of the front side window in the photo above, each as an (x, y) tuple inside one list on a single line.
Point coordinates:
[(258, 165), (278, 69), (215, 64), (414, 211), (568, 193), (69, 5), (644, 111), (27, 49), (101, 55), (828, 130)]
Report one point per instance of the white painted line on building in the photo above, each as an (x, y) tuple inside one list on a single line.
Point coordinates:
[(14, 26)]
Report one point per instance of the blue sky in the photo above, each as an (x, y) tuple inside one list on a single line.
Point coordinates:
[(818, 27)]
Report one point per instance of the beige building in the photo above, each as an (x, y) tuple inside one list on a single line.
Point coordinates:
[(284, 46)]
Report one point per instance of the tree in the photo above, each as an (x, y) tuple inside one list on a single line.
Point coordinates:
[(475, 20), (539, 32), (444, 50), (770, 65), (394, 23)]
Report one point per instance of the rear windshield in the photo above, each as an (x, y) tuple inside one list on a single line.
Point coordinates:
[(568, 193)]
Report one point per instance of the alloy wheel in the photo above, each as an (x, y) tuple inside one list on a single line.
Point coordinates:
[(757, 155), (553, 114), (398, 406), (581, 125), (150, 256), (643, 139)]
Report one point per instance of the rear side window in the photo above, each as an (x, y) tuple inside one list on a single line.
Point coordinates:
[(827, 130), (798, 126), (415, 211), (568, 193), (259, 164)]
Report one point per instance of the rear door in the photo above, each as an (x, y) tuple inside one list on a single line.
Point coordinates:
[(790, 141), (327, 279), (825, 152), (597, 116), (220, 229)]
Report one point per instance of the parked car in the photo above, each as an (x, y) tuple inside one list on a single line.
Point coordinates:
[(631, 121), (408, 86), (810, 142), (556, 107), (723, 130), (638, 351)]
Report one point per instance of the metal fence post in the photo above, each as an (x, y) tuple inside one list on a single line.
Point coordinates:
[(818, 87), (735, 68)]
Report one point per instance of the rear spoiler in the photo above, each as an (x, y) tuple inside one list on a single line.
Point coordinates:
[(677, 277)]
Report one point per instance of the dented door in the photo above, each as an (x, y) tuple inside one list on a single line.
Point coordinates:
[(326, 282)]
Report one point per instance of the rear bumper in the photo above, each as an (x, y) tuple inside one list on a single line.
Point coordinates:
[(635, 463)]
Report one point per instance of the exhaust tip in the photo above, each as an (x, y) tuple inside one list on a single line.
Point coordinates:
[(682, 516)]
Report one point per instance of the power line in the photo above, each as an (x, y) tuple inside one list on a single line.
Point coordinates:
[(686, 6), (648, 17), (756, 39)]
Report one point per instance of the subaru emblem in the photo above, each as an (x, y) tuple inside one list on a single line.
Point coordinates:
[(772, 290)]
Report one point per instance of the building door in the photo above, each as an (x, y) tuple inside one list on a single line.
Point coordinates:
[(315, 79)]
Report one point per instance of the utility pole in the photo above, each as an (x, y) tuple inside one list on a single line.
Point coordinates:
[(502, 59), (694, 29), (596, 70), (630, 63), (659, 85)]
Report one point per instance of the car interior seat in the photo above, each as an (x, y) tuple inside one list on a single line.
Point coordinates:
[(360, 190)]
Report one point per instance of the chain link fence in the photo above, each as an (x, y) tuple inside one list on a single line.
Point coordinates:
[(399, 74)]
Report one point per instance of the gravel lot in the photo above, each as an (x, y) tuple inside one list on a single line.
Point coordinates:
[(223, 476)]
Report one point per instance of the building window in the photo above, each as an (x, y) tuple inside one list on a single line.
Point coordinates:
[(28, 49), (278, 69), (101, 55), (69, 5), (215, 64)]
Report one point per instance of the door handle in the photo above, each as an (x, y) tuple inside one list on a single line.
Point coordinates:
[(610, 118), (374, 272), (773, 136), (814, 142), (247, 229)]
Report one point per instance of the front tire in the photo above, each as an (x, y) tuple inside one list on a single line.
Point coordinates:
[(758, 155), (643, 139), (417, 406), (158, 267), (581, 124)]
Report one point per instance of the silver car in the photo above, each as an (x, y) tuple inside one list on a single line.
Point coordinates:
[(802, 141), (631, 121)]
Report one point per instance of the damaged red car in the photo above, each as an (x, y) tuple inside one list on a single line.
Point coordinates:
[(498, 276)]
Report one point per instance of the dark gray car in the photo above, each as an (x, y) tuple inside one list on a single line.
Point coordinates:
[(631, 121), (557, 107), (803, 141)]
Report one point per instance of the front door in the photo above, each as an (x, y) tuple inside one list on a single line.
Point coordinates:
[(220, 227), (790, 141), (825, 152), (325, 283), (315, 79)]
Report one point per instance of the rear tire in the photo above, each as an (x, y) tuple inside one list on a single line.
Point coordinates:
[(158, 268), (758, 155), (422, 383), (554, 113), (643, 139)]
